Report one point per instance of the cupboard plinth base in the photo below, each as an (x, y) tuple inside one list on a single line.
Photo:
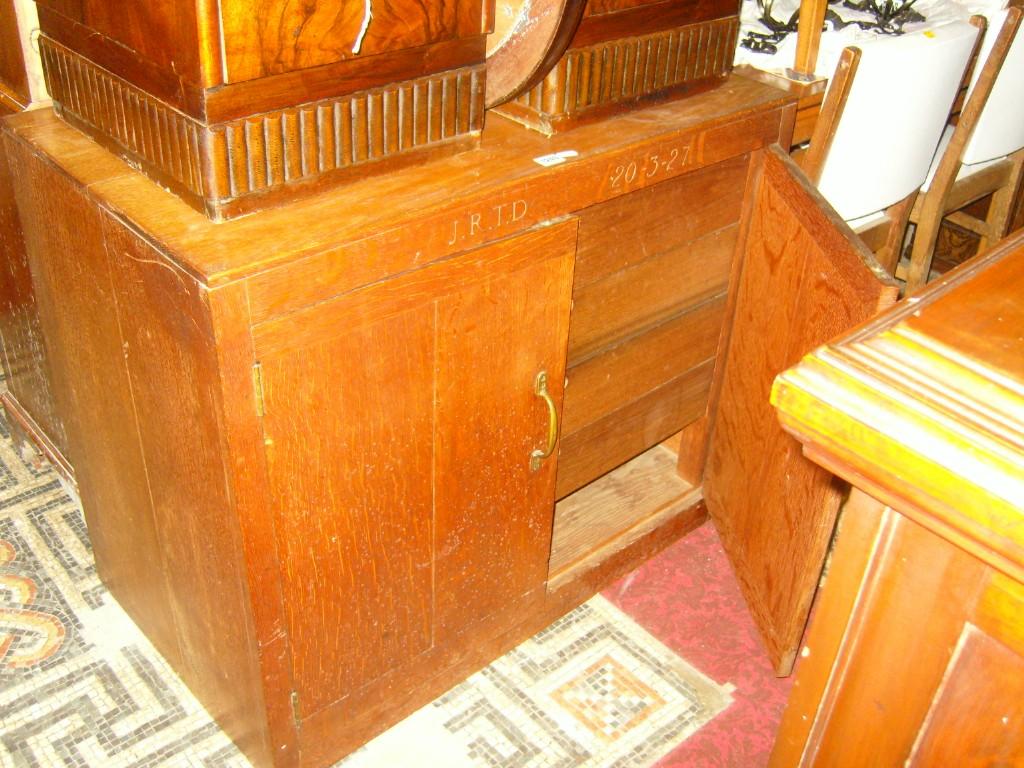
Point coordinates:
[(28, 434)]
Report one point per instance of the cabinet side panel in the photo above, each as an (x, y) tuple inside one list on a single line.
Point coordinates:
[(72, 282), (163, 32), (899, 647), (977, 713), (169, 350), (347, 423), (25, 363)]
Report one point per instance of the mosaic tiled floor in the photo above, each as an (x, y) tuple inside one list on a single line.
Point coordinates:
[(80, 686)]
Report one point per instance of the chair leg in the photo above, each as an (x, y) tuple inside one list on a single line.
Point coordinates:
[(1000, 209), (924, 243), (888, 256)]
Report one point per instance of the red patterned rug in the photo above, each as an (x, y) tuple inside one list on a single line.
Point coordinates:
[(688, 598)]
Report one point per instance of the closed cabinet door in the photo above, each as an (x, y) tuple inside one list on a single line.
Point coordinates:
[(407, 427)]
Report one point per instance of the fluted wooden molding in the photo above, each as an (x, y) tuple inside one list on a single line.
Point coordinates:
[(234, 167), (595, 80)]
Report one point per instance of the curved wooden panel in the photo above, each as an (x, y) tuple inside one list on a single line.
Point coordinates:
[(529, 45)]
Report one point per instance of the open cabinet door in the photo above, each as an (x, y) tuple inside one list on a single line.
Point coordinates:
[(803, 277)]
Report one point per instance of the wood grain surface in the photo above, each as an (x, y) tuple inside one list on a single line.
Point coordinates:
[(166, 342), (408, 429), (92, 391), (237, 106), (958, 699), (356, 374), (937, 415), (493, 511), (27, 369), (355, 533), (627, 371), (528, 40), (419, 217), (612, 76), (282, 36), (802, 282), (626, 431), (156, 35), (13, 71), (918, 407), (623, 503)]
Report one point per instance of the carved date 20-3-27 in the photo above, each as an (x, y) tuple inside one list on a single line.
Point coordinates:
[(650, 167)]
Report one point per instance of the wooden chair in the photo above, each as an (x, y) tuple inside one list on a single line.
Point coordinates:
[(880, 123), (982, 155)]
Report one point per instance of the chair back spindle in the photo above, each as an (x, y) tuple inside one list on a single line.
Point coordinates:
[(883, 141), (1000, 127)]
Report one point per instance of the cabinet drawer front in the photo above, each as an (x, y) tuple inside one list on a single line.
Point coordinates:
[(399, 425)]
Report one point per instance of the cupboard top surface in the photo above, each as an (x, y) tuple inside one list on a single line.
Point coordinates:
[(982, 320), (462, 201), (924, 407)]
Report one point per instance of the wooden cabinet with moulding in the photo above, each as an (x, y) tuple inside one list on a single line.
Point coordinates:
[(337, 454), (319, 453), (918, 640)]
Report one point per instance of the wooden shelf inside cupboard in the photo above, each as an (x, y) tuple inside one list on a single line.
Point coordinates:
[(616, 510)]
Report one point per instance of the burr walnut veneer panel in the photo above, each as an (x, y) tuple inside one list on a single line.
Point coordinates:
[(240, 104)]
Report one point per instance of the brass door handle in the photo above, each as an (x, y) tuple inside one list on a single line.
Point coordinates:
[(540, 388)]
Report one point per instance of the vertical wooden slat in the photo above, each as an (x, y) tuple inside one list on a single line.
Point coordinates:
[(291, 138), (435, 121), (328, 136), (360, 130), (240, 176), (256, 153), (374, 126), (221, 163), (273, 149), (344, 128), (390, 120), (406, 118), (310, 141)]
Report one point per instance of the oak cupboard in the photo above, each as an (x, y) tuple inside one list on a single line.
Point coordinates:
[(337, 455), (916, 653), (437, 426)]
